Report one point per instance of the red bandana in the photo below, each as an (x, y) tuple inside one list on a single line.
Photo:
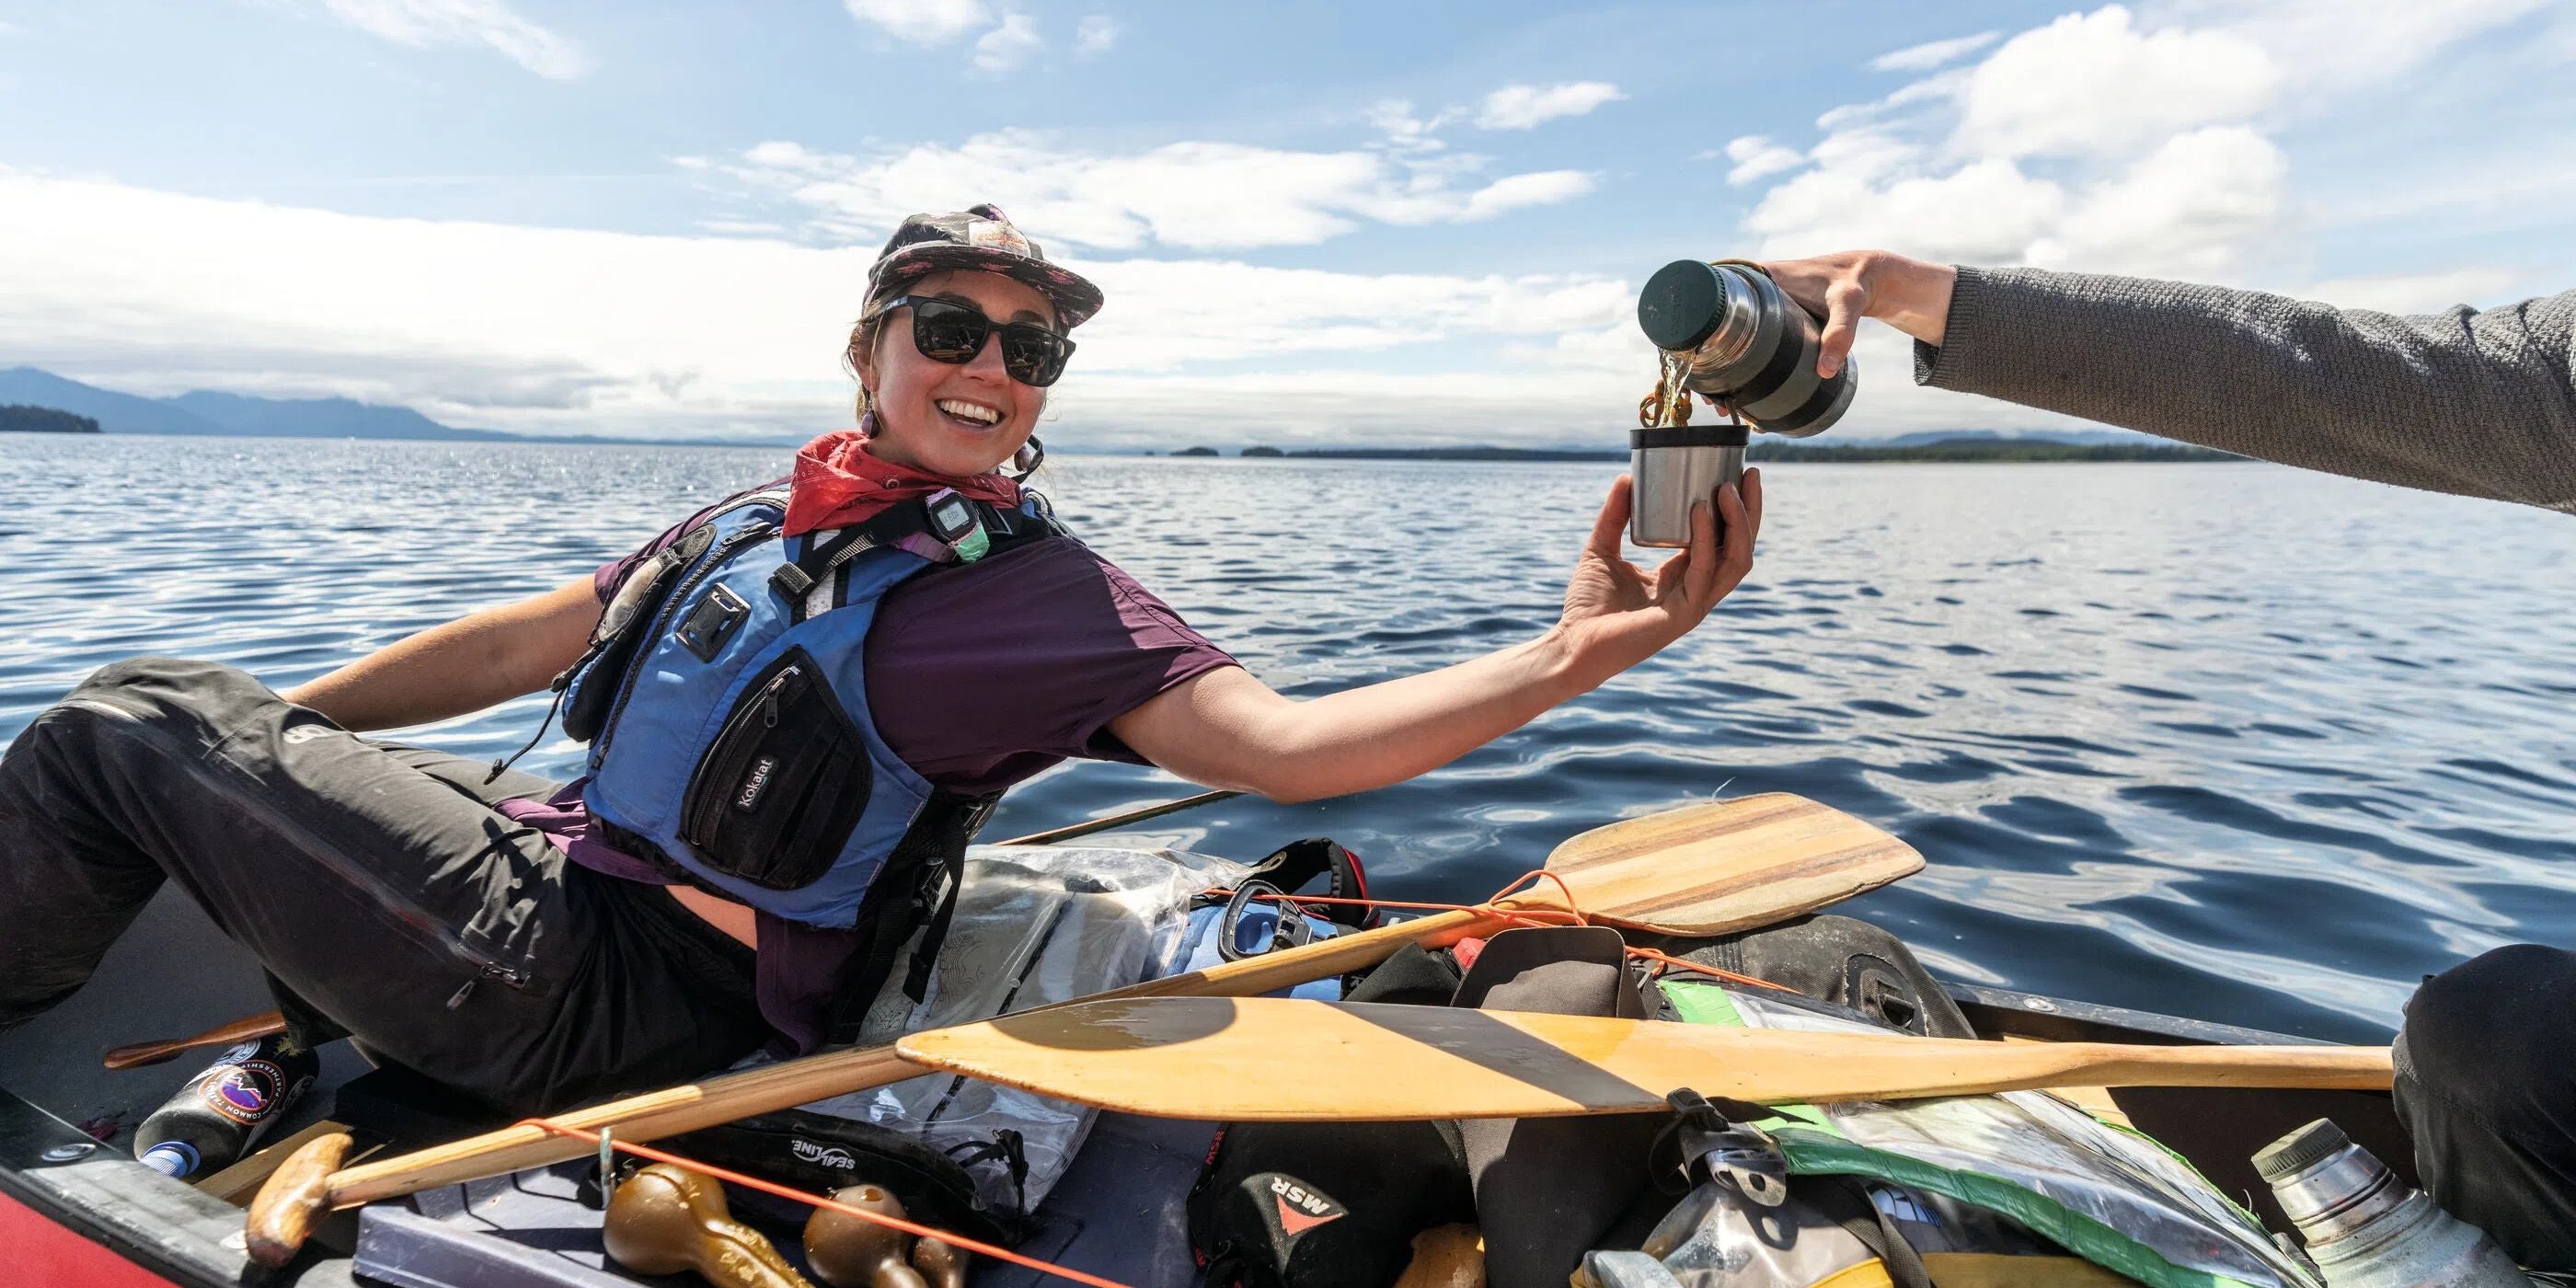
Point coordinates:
[(838, 482)]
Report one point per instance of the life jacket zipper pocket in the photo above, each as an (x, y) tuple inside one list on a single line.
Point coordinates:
[(663, 616), (776, 796)]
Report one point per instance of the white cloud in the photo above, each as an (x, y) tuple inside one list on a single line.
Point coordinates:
[(2412, 292), (1096, 35), (1007, 47), (2108, 140), (2094, 83), (429, 24), (1543, 188), (922, 22), (1932, 53), (1523, 107), (1193, 195), (1756, 157), (561, 330)]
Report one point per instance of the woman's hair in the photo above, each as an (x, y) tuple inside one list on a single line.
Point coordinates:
[(863, 337)]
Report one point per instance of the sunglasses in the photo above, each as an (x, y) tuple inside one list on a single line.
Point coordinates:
[(946, 331)]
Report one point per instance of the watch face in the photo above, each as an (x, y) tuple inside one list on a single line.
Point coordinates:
[(952, 518)]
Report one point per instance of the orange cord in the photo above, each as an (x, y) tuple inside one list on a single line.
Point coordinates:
[(787, 1192)]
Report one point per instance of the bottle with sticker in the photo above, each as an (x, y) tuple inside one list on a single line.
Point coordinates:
[(222, 1112)]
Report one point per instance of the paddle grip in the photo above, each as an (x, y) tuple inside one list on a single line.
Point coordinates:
[(283, 1212)]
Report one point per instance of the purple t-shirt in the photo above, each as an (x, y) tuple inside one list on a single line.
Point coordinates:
[(980, 676)]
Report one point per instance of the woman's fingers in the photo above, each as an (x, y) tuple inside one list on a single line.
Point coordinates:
[(1611, 527), (1845, 301)]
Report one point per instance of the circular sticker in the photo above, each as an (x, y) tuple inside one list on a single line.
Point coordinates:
[(245, 1093)]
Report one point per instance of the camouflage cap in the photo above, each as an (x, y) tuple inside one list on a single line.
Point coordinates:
[(979, 237)]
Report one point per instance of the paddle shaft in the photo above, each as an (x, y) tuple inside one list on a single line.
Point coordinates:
[(249, 1028), (1070, 831), (1216, 1058)]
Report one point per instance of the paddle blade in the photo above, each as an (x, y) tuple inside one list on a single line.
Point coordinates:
[(1727, 865), (1278, 1060)]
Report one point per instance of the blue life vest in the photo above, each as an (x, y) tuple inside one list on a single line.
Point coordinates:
[(725, 700)]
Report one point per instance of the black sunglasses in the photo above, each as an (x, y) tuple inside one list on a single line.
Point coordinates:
[(946, 331)]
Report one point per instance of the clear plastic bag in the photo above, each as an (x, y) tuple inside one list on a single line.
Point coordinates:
[(1034, 925)]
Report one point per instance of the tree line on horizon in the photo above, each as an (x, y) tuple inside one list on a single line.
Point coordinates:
[(21, 418)]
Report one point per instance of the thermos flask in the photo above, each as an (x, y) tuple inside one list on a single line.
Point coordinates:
[(2367, 1229), (1729, 334)]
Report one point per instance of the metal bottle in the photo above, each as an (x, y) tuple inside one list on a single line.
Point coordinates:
[(2367, 1229), (1727, 333)]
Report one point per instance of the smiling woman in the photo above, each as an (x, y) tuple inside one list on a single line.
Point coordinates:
[(800, 703)]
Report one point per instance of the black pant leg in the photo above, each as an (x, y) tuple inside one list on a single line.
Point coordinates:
[(2486, 1084), (375, 884)]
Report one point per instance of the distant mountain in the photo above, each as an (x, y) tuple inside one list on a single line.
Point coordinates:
[(208, 412), (317, 418), (1924, 436), (115, 413)]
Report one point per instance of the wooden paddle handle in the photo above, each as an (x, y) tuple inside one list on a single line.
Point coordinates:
[(247, 1029), (1338, 955), (282, 1214), (2344, 1068)]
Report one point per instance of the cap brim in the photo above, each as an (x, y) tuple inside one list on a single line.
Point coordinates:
[(1073, 295)]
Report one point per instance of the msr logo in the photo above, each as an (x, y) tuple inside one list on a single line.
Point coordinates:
[(750, 793), (1300, 1207)]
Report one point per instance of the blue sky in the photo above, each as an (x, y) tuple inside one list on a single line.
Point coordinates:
[(1316, 222)]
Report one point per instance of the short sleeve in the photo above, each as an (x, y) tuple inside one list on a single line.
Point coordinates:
[(982, 675), (609, 576)]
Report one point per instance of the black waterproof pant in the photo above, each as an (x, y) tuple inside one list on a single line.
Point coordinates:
[(375, 882), (2486, 1083)]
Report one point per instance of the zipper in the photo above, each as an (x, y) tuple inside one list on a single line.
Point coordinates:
[(765, 705), (714, 558), (382, 893)]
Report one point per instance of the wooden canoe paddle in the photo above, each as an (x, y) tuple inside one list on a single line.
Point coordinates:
[(1700, 870), (1281, 1060), (249, 1028)]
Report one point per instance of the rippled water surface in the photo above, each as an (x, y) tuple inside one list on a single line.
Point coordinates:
[(2224, 740)]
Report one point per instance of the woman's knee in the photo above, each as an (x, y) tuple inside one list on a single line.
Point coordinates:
[(170, 691), (2494, 1036)]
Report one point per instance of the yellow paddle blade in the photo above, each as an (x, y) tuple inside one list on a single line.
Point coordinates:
[(1726, 865), (1279, 1060)]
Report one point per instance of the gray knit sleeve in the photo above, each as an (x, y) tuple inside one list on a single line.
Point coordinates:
[(2475, 403)]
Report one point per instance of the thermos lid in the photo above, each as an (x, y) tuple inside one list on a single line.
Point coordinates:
[(2300, 1150), (1680, 305)]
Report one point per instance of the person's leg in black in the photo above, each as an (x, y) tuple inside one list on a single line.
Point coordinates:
[(375, 883), (2486, 1084)]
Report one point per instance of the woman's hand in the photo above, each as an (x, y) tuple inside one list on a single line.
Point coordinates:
[(1843, 288), (1617, 615)]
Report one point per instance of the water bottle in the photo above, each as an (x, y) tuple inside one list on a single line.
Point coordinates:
[(1729, 334), (214, 1119), (2365, 1228)]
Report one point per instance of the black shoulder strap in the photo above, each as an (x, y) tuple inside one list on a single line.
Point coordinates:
[(1846, 1199)]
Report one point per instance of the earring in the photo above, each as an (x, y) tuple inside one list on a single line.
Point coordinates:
[(1026, 460), (867, 424)]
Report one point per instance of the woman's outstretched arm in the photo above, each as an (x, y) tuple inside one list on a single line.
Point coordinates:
[(465, 665), (1228, 729)]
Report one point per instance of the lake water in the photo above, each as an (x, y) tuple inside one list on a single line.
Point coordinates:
[(2226, 740)]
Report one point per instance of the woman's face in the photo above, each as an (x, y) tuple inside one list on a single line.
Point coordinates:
[(956, 420)]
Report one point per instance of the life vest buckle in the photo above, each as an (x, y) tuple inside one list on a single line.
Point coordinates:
[(1719, 1142)]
